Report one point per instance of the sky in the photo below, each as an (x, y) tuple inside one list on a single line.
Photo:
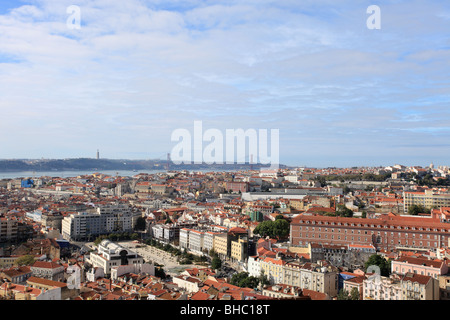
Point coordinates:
[(340, 93)]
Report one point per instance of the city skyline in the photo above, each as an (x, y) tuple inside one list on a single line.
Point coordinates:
[(340, 94)]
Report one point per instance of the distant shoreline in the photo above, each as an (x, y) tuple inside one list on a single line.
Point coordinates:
[(90, 164)]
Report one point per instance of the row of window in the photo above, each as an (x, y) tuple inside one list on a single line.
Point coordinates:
[(372, 226)]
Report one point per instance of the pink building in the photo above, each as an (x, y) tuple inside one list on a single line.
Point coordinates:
[(421, 266), (237, 186)]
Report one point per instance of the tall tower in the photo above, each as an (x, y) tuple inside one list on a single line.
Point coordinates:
[(98, 154), (168, 162)]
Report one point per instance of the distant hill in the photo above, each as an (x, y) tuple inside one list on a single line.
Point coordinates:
[(109, 164)]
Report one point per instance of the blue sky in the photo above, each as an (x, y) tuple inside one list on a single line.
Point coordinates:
[(339, 93)]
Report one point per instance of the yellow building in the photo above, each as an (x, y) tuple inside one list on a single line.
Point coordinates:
[(273, 269), (7, 261), (221, 245), (428, 199), (239, 250)]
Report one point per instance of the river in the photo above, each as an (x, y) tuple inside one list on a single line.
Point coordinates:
[(76, 173)]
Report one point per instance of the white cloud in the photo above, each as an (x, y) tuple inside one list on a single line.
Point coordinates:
[(137, 70)]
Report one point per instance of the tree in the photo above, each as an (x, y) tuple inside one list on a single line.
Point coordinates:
[(263, 229), (381, 262), (216, 263), (354, 294), (416, 209), (26, 260), (343, 295), (140, 224), (99, 239), (322, 180), (281, 228), (346, 190), (274, 229), (343, 211), (243, 280), (159, 272), (263, 279), (134, 236)]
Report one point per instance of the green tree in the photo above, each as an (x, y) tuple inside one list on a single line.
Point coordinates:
[(381, 262), (274, 229), (134, 236), (216, 263), (322, 180), (281, 228), (343, 295), (343, 211), (26, 260), (243, 280), (159, 272), (264, 229), (416, 209), (354, 294), (263, 279), (140, 224), (99, 239)]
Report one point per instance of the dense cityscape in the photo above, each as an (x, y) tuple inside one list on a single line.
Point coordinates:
[(233, 158), (360, 233)]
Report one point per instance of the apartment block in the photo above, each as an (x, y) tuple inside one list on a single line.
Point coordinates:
[(419, 287), (377, 287), (387, 232), (8, 229), (312, 276), (427, 198), (108, 219)]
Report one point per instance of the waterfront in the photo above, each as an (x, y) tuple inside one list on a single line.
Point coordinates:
[(74, 173)]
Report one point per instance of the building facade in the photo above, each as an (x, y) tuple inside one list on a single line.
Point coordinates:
[(107, 219), (387, 232), (428, 199), (377, 287), (110, 255), (8, 229)]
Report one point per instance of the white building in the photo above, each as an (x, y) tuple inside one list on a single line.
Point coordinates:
[(184, 238), (110, 255), (196, 240), (190, 284), (140, 268), (254, 266), (107, 219), (208, 240), (377, 287), (95, 273)]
